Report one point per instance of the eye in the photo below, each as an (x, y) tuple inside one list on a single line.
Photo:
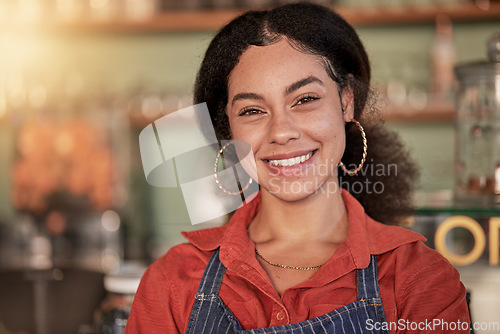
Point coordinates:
[(250, 111), (305, 99)]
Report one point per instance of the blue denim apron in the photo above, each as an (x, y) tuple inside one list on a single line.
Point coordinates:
[(210, 315)]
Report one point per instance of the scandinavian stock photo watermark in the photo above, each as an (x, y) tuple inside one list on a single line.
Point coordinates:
[(311, 179), (178, 150)]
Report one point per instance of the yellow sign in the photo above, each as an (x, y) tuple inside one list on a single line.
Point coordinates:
[(479, 240)]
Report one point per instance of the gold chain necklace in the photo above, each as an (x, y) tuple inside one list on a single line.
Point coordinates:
[(284, 266)]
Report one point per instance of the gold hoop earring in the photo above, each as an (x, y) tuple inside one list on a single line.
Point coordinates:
[(216, 175), (365, 149)]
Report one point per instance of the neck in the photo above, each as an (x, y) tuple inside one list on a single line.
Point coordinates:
[(320, 217)]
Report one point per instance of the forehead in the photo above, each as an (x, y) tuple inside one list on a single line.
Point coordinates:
[(276, 64)]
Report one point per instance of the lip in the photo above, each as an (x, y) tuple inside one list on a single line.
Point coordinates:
[(288, 171), (289, 155)]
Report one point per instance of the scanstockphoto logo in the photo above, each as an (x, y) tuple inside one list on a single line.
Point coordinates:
[(431, 326), (179, 150)]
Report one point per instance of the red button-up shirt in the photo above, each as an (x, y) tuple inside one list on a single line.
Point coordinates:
[(420, 290)]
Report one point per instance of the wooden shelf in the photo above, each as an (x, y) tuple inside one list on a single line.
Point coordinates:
[(179, 21), (211, 20), (435, 113), (420, 14)]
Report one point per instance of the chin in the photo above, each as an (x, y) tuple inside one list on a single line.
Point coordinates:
[(296, 190), (287, 197), (291, 191)]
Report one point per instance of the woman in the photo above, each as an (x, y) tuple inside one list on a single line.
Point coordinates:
[(304, 256)]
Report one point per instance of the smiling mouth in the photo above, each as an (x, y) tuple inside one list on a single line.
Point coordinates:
[(291, 161)]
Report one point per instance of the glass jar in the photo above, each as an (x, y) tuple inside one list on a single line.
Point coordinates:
[(113, 312), (477, 159)]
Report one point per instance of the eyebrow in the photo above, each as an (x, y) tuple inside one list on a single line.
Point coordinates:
[(301, 83), (246, 96), (290, 89)]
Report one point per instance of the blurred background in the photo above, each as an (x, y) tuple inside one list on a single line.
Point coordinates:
[(79, 80)]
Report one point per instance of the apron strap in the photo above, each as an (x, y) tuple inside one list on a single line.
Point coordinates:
[(213, 275), (367, 280)]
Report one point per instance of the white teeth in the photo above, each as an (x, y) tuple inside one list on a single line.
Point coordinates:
[(291, 161)]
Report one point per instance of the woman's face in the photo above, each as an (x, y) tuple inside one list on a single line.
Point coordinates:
[(283, 103)]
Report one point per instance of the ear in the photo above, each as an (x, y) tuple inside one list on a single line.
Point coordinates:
[(347, 104)]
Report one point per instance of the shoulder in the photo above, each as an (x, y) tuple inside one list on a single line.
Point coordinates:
[(383, 238), (166, 293), (422, 276), (424, 263), (179, 271), (414, 258), (428, 286), (411, 266), (181, 261), (424, 283)]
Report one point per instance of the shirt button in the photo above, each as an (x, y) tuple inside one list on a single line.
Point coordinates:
[(280, 315)]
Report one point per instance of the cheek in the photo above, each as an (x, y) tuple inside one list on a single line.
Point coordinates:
[(245, 134), (240, 133), (328, 129), (237, 131)]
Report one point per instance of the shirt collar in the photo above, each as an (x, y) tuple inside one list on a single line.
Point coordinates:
[(365, 237), (368, 237)]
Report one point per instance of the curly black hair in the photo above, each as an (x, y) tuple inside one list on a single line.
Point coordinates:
[(317, 30)]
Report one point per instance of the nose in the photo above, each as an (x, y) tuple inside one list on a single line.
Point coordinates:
[(283, 128)]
